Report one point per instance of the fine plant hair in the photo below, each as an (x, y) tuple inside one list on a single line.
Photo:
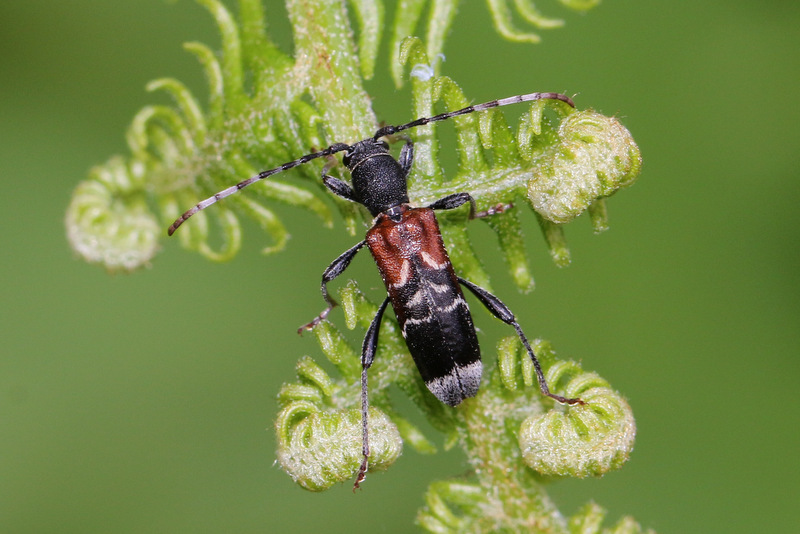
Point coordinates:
[(266, 108)]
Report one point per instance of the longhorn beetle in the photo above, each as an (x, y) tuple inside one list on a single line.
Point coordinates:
[(407, 246)]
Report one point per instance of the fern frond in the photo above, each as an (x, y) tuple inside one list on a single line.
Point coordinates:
[(266, 108), (259, 115)]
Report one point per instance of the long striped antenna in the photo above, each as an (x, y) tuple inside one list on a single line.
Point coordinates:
[(340, 147), (530, 97), (333, 149)]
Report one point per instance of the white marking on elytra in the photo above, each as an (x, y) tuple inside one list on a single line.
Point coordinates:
[(462, 382), (453, 305), (422, 320), (428, 260), (427, 285), (421, 296), (405, 274), (439, 288), (417, 299)]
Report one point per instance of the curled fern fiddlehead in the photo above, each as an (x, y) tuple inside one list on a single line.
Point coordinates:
[(595, 158), (319, 448), (109, 222), (587, 440)]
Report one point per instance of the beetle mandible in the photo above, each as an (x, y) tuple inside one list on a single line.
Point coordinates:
[(407, 247)]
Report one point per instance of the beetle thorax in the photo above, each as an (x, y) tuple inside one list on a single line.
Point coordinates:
[(379, 182)]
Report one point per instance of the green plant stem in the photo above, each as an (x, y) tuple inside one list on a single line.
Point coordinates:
[(494, 455), (327, 60)]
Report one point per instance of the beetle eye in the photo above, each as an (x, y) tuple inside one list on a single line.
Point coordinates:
[(383, 144)]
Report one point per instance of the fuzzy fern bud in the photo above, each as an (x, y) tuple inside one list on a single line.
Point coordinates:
[(109, 222), (596, 156), (584, 441), (321, 448), (581, 440)]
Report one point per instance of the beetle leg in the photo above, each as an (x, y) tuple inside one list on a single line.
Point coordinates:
[(334, 269), (368, 350), (458, 199), (407, 156), (336, 186), (497, 208), (454, 201), (339, 188), (501, 311)]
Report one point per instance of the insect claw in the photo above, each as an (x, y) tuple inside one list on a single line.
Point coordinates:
[(494, 210), (361, 476), (564, 400), (315, 321)]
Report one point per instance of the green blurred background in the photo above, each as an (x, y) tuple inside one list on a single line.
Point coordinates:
[(144, 402)]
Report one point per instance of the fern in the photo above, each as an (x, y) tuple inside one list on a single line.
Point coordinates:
[(266, 108)]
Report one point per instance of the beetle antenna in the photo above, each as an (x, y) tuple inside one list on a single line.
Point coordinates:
[(530, 97), (333, 149)]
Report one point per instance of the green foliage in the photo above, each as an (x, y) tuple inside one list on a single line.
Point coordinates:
[(266, 108)]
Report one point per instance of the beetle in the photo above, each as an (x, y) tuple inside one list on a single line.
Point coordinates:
[(406, 244)]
